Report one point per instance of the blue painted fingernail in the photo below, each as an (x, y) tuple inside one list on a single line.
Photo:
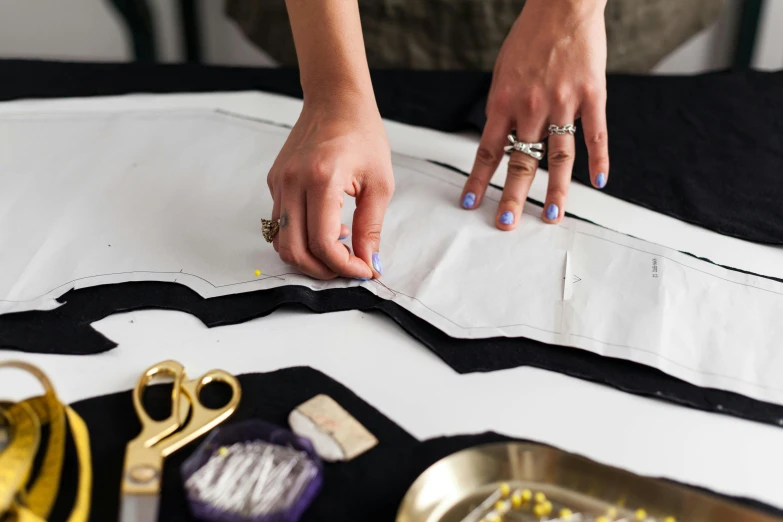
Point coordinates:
[(507, 218), (552, 212), (362, 278), (468, 200), (342, 237), (376, 263), (600, 180)]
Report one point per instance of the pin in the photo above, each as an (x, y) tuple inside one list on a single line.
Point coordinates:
[(252, 478)]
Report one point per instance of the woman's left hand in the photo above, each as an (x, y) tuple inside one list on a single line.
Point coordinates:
[(550, 70)]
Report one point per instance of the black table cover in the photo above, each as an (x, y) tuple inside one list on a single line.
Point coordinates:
[(369, 488)]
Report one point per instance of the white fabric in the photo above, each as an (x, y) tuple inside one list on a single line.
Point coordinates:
[(176, 196), (372, 356)]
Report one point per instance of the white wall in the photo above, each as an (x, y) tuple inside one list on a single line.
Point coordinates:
[(768, 54), (90, 30), (223, 43), (70, 29)]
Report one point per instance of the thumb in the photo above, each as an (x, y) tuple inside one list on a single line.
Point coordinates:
[(371, 206)]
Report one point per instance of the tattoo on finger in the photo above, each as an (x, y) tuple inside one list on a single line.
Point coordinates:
[(285, 220)]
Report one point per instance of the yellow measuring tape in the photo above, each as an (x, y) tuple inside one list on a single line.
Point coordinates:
[(26, 500)]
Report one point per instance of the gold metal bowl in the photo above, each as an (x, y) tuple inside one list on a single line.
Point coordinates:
[(449, 489)]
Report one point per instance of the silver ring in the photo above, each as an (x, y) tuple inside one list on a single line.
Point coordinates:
[(569, 128), (531, 149)]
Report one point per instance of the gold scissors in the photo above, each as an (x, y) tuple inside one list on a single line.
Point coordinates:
[(144, 455)]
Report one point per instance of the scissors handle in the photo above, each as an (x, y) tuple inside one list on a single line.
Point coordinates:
[(153, 431), (158, 439), (202, 418)]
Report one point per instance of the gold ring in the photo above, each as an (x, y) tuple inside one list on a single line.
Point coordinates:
[(269, 229)]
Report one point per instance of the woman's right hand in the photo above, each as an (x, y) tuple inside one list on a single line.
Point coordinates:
[(338, 146), (550, 71)]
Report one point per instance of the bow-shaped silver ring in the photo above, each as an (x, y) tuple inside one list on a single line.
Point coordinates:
[(534, 150)]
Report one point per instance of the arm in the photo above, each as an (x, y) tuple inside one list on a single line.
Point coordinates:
[(338, 146), (329, 48)]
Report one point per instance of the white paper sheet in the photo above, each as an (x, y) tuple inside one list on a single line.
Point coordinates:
[(99, 198)]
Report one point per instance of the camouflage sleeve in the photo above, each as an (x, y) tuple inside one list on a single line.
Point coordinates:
[(467, 34)]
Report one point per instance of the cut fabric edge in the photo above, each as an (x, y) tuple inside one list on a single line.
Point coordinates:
[(69, 328)]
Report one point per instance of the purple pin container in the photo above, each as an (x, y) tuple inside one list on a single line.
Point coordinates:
[(248, 431)]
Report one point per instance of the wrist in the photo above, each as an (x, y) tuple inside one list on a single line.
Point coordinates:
[(330, 51), (333, 94)]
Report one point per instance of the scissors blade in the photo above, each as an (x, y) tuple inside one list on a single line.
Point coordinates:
[(139, 508)]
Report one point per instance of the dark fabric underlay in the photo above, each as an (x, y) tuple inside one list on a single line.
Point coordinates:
[(68, 330), (705, 149), (369, 488), (440, 100)]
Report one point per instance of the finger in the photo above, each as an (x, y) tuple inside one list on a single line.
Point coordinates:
[(371, 204), (292, 236), (521, 171), (561, 163), (488, 156), (596, 138), (324, 206), (276, 215), (345, 232)]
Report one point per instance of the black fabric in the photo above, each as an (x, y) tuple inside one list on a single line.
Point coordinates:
[(439, 100), (369, 488), (705, 149), (68, 330)]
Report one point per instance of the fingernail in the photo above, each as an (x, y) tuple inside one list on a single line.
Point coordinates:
[(342, 237), (376, 263), (469, 200), (600, 180), (362, 278), (552, 212), (507, 218)]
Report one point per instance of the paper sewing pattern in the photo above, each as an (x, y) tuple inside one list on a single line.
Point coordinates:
[(177, 196)]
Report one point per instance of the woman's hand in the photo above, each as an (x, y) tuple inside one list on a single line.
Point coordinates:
[(550, 70), (337, 147)]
